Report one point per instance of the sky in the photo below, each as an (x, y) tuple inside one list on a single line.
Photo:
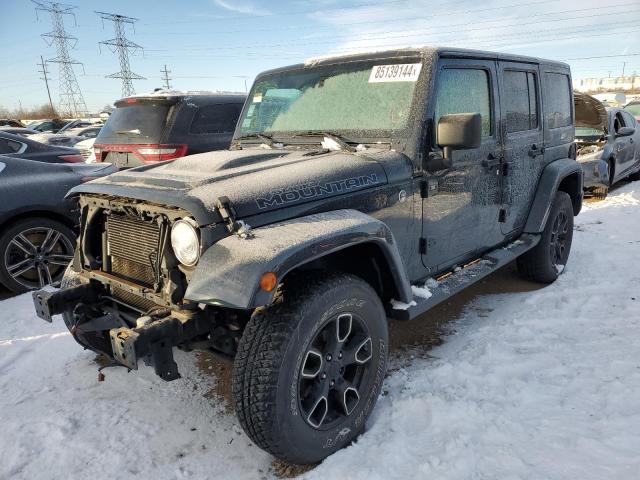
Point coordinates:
[(221, 44)]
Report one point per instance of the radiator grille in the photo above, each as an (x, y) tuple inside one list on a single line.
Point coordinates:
[(132, 247)]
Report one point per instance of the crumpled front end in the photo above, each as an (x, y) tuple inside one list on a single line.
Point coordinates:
[(123, 295), (595, 169)]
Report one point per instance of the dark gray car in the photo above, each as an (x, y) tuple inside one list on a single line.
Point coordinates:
[(23, 147), (37, 222), (607, 144)]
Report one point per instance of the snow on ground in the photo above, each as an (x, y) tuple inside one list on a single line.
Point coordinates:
[(545, 387)]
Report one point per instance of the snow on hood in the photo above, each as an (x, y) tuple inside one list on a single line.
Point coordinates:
[(590, 112), (255, 180)]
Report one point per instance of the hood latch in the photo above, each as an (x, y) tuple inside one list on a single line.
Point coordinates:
[(229, 216)]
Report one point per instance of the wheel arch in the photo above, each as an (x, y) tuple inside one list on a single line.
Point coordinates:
[(229, 272), (37, 213), (561, 175), (368, 260)]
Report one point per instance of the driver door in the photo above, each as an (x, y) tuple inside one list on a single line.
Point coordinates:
[(461, 213)]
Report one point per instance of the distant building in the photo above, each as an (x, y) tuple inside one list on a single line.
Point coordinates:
[(628, 84)]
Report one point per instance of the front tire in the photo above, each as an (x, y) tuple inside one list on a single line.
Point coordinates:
[(546, 261), (309, 369)]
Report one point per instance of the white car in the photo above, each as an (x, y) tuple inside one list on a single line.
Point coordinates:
[(86, 150)]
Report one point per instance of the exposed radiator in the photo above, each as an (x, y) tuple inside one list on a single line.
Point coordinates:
[(132, 247)]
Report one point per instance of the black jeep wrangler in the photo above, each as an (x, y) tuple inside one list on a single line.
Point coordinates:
[(350, 184)]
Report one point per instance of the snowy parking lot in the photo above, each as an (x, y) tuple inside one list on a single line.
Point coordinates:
[(542, 384)]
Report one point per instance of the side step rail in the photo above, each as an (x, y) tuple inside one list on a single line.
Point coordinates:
[(453, 282)]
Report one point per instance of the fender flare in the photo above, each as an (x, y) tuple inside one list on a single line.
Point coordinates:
[(550, 180), (229, 272)]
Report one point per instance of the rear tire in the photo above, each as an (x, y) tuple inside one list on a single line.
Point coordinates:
[(546, 261), (35, 252), (309, 369)]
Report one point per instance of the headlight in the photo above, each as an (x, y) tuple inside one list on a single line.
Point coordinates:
[(185, 242)]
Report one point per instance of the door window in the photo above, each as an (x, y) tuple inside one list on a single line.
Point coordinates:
[(629, 120), (521, 100), (618, 122), (557, 101), (465, 90)]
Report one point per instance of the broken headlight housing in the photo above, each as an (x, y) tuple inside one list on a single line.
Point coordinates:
[(185, 241)]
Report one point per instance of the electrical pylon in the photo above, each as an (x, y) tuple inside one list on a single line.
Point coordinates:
[(71, 99), (121, 45)]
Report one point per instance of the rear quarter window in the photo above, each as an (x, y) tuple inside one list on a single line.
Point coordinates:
[(8, 145), (220, 118), (557, 100)]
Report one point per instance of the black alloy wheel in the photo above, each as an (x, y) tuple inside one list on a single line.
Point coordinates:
[(333, 371), (558, 240)]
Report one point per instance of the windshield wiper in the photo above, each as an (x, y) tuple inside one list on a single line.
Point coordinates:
[(339, 140), (266, 139), (135, 131)]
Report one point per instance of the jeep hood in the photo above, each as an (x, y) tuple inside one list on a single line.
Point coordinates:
[(254, 180), (590, 112)]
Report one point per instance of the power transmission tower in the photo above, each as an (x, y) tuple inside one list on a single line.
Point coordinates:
[(121, 45), (166, 78), (44, 77), (71, 99)]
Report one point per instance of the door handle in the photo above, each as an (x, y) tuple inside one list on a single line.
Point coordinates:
[(491, 162), (534, 151)]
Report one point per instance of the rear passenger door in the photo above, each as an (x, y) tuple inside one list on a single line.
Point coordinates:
[(522, 141)]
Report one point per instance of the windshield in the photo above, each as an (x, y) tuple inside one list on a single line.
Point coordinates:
[(588, 132), (373, 97), (633, 109), (136, 123)]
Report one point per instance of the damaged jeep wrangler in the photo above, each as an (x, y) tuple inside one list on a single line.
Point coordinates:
[(357, 189)]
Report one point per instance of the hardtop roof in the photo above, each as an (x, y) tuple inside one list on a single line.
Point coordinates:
[(427, 53), (174, 96)]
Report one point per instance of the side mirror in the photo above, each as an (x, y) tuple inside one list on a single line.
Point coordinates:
[(459, 131), (625, 131)]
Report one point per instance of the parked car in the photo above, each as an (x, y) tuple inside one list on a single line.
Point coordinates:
[(167, 125), (23, 147), (68, 138), (7, 122), (74, 124), (607, 144), (22, 131), (52, 125), (634, 109), (37, 224), (86, 150), (349, 180)]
